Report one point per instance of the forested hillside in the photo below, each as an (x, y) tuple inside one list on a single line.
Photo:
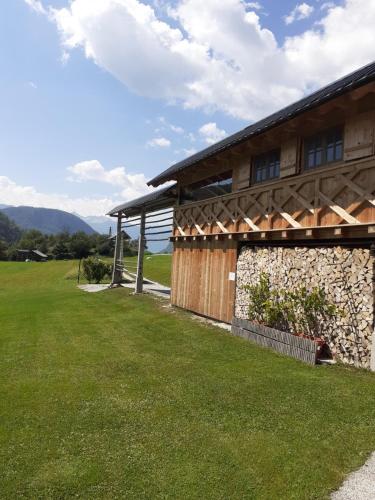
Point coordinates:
[(9, 231), (47, 220)]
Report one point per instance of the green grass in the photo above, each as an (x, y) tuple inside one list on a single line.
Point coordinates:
[(155, 267), (109, 395)]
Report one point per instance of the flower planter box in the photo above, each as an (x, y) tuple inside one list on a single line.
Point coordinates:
[(301, 348)]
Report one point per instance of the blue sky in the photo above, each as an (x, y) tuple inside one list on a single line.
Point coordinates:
[(98, 96)]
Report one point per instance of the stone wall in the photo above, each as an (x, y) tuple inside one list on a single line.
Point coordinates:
[(345, 274)]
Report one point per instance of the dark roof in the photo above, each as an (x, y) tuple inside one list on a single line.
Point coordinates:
[(37, 252), (356, 79), (41, 254), (162, 198)]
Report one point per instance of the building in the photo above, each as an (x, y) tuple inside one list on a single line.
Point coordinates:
[(292, 195), (31, 255)]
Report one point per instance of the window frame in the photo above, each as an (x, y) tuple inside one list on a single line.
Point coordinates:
[(323, 135), (218, 181), (268, 155)]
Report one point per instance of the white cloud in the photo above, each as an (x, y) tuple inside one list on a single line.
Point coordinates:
[(254, 5), (15, 194), (131, 185), (65, 56), (300, 11), (216, 55), (327, 5), (211, 133), (36, 5), (33, 85), (166, 124), (189, 151), (159, 142), (176, 129)]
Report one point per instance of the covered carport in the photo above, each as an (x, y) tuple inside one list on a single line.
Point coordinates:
[(153, 215)]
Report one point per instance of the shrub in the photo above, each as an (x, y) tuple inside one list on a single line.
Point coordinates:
[(95, 270), (259, 296), (300, 311)]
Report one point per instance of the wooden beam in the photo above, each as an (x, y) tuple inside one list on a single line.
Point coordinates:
[(248, 221), (300, 199), (285, 215), (178, 227), (141, 249), (362, 193), (339, 210), (117, 259), (222, 227)]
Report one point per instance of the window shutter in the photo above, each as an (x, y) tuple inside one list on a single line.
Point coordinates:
[(241, 175), (289, 158), (359, 136)]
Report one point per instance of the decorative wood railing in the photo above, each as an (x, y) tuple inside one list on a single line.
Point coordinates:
[(339, 197)]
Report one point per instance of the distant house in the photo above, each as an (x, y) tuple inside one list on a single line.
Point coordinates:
[(32, 255)]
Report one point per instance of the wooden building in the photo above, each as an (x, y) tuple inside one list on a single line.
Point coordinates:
[(302, 179), (31, 255)]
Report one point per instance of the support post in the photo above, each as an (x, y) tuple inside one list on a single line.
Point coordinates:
[(141, 249), (117, 258)]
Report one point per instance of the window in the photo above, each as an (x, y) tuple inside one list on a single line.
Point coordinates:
[(324, 148), (266, 166), (215, 187)]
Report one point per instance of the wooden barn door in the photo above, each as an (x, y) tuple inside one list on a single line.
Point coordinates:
[(201, 279)]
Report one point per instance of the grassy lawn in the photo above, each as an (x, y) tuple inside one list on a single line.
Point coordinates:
[(155, 267), (112, 396)]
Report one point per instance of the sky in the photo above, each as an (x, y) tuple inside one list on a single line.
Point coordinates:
[(99, 96)]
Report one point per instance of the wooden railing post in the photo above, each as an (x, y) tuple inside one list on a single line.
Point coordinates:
[(141, 249), (117, 258)]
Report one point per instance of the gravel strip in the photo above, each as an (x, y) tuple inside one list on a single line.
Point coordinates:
[(359, 485)]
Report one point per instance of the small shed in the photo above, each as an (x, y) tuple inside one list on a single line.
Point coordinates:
[(32, 255)]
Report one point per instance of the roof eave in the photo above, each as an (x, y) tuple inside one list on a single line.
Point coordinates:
[(305, 106)]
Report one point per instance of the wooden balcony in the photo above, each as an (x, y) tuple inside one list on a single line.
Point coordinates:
[(326, 203)]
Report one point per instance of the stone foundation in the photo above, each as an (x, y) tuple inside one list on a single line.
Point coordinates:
[(345, 274)]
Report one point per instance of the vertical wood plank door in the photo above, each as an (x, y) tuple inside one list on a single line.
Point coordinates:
[(200, 277)]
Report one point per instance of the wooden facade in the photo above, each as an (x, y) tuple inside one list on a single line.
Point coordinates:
[(333, 202), (202, 266), (302, 176), (329, 202)]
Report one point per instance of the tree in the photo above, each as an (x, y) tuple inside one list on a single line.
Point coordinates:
[(80, 245), (105, 246), (33, 240), (61, 251), (3, 250), (9, 231)]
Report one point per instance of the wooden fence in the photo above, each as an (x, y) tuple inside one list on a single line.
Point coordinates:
[(285, 343)]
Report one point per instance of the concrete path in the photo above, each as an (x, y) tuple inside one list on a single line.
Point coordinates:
[(152, 287), (359, 485), (93, 288), (148, 287)]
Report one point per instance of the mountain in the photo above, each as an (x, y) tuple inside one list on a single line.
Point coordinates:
[(9, 232), (101, 223), (47, 220), (168, 248)]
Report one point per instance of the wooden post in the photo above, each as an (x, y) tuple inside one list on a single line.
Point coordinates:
[(141, 249), (117, 259)]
